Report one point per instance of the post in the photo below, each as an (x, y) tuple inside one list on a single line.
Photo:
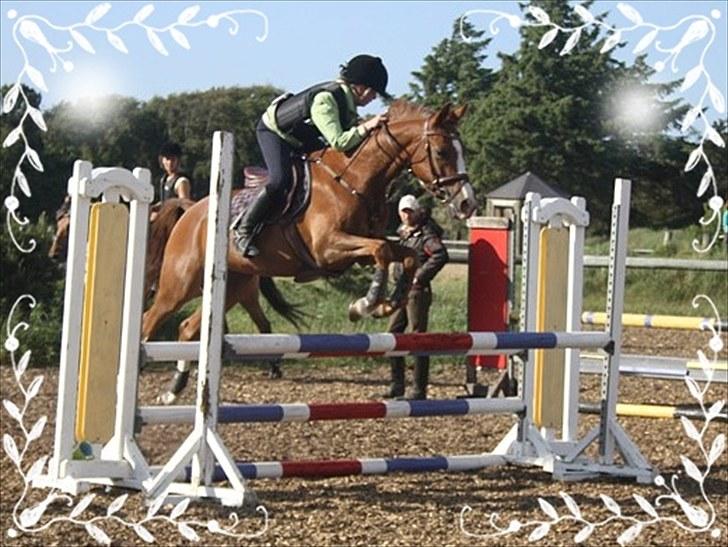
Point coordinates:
[(615, 306)]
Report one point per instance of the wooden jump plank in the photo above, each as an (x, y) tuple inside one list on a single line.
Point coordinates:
[(101, 325), (552, 300)]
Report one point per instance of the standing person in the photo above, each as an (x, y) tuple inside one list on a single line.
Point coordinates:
[(419, 232), (174, 182), (322, 115)]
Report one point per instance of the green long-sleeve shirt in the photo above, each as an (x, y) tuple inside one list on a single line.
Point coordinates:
[(325, 116)]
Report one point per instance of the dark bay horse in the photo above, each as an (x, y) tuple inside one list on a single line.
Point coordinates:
[(344, 223)]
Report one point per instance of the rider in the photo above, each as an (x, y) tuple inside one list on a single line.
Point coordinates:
[(322, 115), (174, 182)]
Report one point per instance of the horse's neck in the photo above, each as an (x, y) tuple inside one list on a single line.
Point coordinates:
[(384, 154)]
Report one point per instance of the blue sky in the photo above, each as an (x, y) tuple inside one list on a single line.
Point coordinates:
[(306, 43)]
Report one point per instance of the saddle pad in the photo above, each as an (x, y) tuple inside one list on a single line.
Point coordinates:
[(297, 199)]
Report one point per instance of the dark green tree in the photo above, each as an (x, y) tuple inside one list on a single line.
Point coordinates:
[(553, 110), (191, 118), (454, 71)]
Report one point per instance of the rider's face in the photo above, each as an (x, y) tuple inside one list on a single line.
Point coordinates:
[(363, 95)]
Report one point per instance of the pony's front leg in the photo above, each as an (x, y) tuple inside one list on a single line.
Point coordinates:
[(374, 303), (398, 297), (338, 250)]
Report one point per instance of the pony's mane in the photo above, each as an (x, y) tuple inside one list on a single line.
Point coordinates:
[(405, 109)]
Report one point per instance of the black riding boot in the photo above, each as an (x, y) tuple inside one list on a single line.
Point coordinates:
[(396, 388), (248, 227), (422, 377)]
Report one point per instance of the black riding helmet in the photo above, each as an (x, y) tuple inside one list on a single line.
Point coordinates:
[(369, 71), (170, 149)]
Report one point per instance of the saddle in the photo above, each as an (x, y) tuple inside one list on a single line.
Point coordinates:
[(296, 202)]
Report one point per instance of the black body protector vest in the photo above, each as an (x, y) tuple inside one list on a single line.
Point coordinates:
[(293, 115), (166, 186)]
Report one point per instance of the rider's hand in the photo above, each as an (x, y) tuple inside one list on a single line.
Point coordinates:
[(374, 122)]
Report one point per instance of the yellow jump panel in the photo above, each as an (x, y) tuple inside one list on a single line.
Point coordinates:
[(551, 316), (101, 324)]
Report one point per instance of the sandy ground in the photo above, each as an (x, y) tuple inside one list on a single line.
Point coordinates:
[(396, 509)]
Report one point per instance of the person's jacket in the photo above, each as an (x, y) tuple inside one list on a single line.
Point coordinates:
[(167, 183), (426, 240)]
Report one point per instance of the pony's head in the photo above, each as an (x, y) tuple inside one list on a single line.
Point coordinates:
[(435, 154)]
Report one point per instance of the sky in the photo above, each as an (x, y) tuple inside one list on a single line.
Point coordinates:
[(306, 43)]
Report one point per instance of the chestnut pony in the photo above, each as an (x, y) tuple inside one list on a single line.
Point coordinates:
[(344, 223)]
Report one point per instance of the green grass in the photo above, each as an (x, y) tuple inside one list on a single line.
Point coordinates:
[(648, 242)]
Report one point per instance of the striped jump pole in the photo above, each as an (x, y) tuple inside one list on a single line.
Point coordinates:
[(302, 346), (302, 412), (363, 466), (655, 411), (657, 321)]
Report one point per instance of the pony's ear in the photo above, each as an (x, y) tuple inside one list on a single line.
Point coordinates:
[(458, 112), (442, 115)]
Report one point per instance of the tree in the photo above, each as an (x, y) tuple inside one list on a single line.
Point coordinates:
[(453, 71), (191, 118), (551, 114)]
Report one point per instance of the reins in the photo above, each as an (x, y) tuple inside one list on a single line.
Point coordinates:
[(436, 187)]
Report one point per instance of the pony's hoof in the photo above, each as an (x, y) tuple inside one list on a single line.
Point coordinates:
[(166, 398), (275, 372), (385, 309), (358, 309), (179, 382)]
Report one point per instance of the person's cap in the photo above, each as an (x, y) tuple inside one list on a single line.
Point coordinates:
[(369, 71), (170, 149), (409, 202)]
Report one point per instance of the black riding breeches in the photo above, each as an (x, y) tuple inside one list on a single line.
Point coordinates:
[(277, 156)]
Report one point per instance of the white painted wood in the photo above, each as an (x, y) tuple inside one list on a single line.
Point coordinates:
[(72, 316), (615, 307), (575, 273), (128, 377)]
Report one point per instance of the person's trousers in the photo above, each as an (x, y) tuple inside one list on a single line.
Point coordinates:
[(277, 155), (416, 316)]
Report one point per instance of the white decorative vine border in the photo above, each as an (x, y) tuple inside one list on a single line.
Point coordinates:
[(698, 29), (29, 28)]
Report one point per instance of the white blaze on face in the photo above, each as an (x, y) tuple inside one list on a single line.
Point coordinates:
[(463, 205), (461, 158)]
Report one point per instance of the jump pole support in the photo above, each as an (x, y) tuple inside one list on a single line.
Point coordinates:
[(203, 446)]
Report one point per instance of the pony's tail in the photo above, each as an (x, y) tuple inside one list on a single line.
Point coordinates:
[(290, 312)]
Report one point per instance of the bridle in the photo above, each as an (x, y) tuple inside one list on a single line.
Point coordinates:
[(437, 187)]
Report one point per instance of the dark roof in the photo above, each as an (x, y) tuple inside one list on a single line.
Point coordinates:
[(525, 183)]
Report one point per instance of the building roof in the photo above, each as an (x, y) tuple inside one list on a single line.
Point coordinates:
[(522, 185)]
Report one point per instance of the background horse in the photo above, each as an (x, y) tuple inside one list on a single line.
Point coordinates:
[(163, 217), (343, 224)]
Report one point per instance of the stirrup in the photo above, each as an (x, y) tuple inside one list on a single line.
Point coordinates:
[(250, 250), (244, 241), (244, 244)]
